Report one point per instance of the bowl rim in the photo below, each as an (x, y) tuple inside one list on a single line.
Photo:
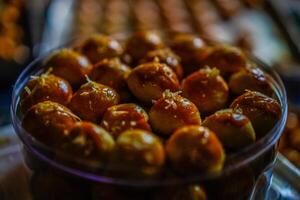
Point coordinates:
[(242, 158)]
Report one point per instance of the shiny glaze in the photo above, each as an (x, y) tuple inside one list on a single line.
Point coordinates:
[(139, 153), (262, 110), (92, 99), (113, 73), (69, 65), (250, 78), (87, 140), (122, 117), (43, 88), (171, 112), (257, 100), (140, 43), (167, 57), (49, 122), (233, 128), (148, 81), (228, 59), (206, 89), (97, 47), (191, 49), (230, 116), (195, 149)]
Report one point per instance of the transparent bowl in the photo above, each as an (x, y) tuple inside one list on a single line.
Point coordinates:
[(59, 176)]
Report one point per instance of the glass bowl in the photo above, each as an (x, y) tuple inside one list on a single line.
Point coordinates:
[(59, 176)]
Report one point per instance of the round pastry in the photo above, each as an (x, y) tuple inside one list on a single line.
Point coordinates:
[(69, 65), (148, 81)]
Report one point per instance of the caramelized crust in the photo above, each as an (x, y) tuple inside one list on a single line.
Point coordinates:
[(171, 112), (207, 89), (191, 49), (140, 43), (113, 73), (69, 65), (97, 47), (148, 81), (167, 57), (122, 117), (264, 112), (250, 78), (234, 129), (87, 140), (43, 88), (227, 59), (195, 149), (49, 122), (140, 153), (92, 99)]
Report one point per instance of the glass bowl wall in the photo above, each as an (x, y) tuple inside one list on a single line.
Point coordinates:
[(70, 178)]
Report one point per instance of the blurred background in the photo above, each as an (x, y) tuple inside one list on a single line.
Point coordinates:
[(270, 29)]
